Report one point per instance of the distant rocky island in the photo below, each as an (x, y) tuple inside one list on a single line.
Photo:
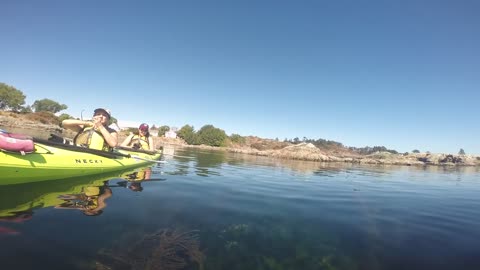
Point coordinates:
[(265, 147)]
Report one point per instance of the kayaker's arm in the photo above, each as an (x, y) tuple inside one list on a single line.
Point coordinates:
[(101, 199), (151, 144), (127, 140), (75, 125)]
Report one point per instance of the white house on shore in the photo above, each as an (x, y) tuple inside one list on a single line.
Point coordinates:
[(154, 132), (171, 134)]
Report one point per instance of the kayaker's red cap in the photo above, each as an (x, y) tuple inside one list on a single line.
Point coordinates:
[(143, 127), (107, 111)]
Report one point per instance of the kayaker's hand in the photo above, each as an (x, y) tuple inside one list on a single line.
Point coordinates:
[(97, 122), (97, 119)]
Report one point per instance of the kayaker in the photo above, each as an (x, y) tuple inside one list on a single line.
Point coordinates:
[(94, 134), (140, 140)]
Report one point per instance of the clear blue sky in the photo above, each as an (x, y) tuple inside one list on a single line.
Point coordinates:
[(401, 74)]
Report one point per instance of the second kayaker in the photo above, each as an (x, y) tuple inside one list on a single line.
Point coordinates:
[(140, 140), (94, 134)]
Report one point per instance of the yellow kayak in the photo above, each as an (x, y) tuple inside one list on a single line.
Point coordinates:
[(53, 161)]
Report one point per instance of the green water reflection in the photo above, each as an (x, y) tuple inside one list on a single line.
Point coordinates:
[(82, 193)]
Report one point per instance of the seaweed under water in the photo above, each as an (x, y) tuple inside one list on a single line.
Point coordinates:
[(167, 249)]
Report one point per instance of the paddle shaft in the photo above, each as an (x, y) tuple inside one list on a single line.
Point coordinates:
[(177, 156), (146, 159)]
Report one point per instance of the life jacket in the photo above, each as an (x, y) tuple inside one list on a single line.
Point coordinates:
[(91, 191), (90, 138), (140, 142)]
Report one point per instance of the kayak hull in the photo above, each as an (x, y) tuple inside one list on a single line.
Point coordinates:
[(50, 162)]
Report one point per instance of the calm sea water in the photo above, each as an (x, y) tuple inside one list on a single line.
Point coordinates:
[(215, 210)]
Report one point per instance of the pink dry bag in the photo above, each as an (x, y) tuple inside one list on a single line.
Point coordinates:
[(16, 143)]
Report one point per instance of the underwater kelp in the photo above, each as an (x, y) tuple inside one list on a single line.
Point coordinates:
[(167, 249)]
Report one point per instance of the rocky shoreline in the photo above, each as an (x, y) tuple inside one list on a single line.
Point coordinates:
[(308, 152), (302, 151)]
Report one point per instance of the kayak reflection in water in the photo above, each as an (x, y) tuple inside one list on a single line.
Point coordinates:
[(91, 201), (18, 216), (15, 217), (136, 178)]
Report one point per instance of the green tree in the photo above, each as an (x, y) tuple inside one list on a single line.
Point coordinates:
[(187, 133), (461, 152), (416, 151), (162, 130), (210, 135), (64, 116), (11, 98), (235, 138), (48, 105), (26, 109)]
